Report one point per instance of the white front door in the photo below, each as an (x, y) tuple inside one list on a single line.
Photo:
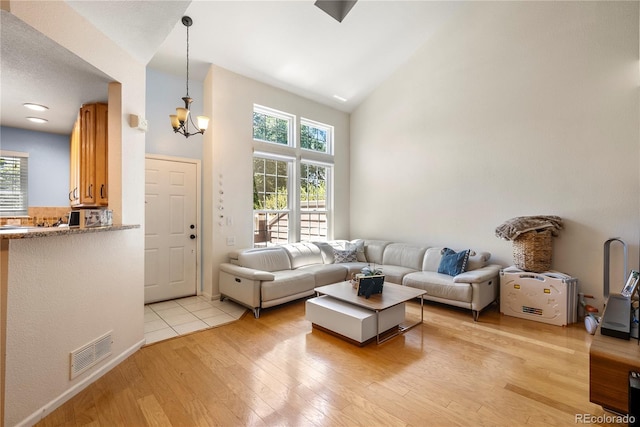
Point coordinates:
[(171, 229)]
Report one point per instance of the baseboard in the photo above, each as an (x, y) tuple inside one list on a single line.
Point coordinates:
[(77, 388)]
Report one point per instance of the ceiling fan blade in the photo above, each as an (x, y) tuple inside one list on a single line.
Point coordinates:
[(337, 9)]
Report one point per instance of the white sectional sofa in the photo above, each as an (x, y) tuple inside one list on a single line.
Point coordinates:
[(266, 277)]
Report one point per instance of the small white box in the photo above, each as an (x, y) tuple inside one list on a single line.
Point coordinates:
[(549, 297)]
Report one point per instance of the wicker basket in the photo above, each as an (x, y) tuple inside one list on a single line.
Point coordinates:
[(532, 251)]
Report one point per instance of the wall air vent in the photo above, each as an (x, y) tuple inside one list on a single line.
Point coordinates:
[(90, 354)]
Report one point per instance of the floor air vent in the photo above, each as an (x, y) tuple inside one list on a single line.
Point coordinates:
[(90, 354)]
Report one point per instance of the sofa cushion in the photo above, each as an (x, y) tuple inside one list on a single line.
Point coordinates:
[(478, 260), (373, 250), (432, 259), (403, 255), (439, 285), (266, 259), (286, 283), (395, 273), (452, 262), (303, 253), (358, 245), (327, 251), (353, 268), (326, 274)]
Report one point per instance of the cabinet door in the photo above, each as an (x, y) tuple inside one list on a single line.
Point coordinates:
[(101, 151), (88, 155), (74, 164), (89, 149)]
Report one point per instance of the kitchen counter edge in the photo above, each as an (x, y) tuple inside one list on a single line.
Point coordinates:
[(33, 232)]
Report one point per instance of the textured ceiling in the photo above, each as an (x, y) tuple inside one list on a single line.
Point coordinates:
[(37, 70)]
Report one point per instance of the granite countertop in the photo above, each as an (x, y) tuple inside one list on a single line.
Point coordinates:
[(21, 232)]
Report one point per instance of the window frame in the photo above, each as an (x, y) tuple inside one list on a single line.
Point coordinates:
[(290, 199), (327, 128), (289, 118), (327, 210)]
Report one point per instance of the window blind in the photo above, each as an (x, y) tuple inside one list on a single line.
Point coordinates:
[(14, 199)]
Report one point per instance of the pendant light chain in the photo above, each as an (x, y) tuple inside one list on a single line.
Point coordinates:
[(187, 61)]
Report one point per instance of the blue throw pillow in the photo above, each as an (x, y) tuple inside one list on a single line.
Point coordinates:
[(452, 262)]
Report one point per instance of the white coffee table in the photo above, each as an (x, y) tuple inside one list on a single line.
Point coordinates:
[(387, 310)]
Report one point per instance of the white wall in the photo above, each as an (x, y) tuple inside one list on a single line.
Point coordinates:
[(511, 109), (66, 291), (227, 161)]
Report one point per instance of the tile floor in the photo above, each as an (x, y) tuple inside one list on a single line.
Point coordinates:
[(163, 320)]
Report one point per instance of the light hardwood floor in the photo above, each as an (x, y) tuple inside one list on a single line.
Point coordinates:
[(277, 371)]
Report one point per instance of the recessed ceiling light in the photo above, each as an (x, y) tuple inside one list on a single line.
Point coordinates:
[(36, 107), (339, 98), (37, 120)]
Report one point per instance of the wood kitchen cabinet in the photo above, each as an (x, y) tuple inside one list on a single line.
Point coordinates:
[(88, 176)]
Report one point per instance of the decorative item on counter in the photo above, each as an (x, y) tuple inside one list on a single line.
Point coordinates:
[(98, 217)]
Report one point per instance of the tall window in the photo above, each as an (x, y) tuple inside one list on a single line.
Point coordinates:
[(313, 201), (271, 210), (291, 180), (14, 200)]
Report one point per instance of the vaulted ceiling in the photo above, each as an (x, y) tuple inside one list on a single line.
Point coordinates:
[(290, 44)]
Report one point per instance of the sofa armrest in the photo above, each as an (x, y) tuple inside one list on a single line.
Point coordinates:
[(246, 273), (479, 275)]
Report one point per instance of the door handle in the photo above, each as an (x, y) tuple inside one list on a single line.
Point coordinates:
[(193, 236)]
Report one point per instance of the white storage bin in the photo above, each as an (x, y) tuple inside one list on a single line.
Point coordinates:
[(549, 297)]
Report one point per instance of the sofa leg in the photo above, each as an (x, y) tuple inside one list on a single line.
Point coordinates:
[(476, 314), (222, 297), (256, 312)]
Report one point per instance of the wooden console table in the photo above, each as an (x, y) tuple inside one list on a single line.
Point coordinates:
[(610, 361)]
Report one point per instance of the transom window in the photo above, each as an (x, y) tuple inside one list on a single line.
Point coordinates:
[(14, 183), (291, 187), (272, 126), (315, 136)]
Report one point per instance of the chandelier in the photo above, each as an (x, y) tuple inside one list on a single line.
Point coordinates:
[(180, 121)]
